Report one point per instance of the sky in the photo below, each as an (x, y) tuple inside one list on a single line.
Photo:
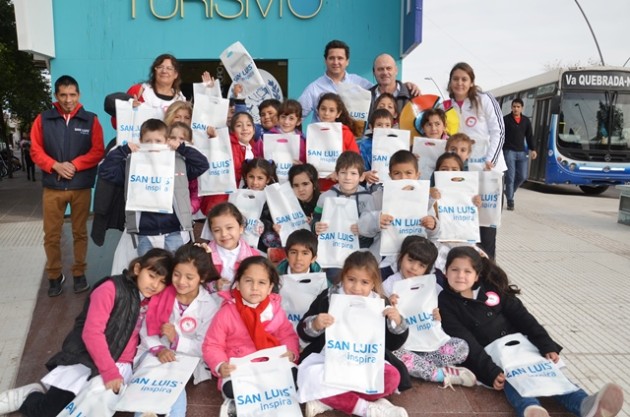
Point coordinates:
[(506, 41)]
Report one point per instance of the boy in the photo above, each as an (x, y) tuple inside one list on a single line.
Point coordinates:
[(460, 144), (268, 112), (379, 118), (350, 172), (158, 229), (301, 251)]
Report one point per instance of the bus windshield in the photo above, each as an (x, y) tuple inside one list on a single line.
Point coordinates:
[(595, 125)]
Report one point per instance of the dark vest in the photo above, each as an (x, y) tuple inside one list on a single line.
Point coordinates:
[(120, 326), (64, 143)]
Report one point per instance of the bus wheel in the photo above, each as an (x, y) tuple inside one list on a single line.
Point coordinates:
[(592, 190)]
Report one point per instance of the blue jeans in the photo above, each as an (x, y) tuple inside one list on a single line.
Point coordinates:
[(179, 407), (571, 401), (516, 172), (172, 242)]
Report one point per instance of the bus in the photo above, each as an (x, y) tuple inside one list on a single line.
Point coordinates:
[(581, 122)]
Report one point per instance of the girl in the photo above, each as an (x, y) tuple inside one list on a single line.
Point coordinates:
[(479, 304), (228, 248), (360, 276), (250, 319), (180, 132), (103, 341), (180, 111), (480, 118), (387, 101), (303, 179), (416, 258), (178, 318), (433, 124), (290, 121), (257, 174)]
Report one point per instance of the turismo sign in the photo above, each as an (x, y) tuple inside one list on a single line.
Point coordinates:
[(596, 80)]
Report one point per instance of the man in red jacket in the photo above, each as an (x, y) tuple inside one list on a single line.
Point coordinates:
[(67, 144)]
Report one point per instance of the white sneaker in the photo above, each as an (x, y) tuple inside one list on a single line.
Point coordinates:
[(456, 375), (383, 408), (315, 407), (606, 403), (13, 399), (535, 411)]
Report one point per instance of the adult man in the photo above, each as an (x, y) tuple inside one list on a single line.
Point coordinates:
[(385, 71), (337, 59), (67, 144), (518, 129)]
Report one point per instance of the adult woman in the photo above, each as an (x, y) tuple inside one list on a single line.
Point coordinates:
[(480, 118), (162, 88)]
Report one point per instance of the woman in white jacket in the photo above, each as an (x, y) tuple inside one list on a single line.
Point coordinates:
[(480, 117)]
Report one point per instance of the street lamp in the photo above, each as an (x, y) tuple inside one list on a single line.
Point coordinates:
[(436, 86), (601, 57)]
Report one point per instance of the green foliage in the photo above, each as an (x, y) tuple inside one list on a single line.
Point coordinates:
[(24, 92)]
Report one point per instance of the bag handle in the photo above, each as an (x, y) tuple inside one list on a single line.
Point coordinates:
[(262, 355)]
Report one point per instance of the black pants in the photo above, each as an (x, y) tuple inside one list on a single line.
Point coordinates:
[(488, 240), (228, 391), (49, 404)]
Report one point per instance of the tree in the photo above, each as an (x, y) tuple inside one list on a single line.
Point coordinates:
[(24, 93)]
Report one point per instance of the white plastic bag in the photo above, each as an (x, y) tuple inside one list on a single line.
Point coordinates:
[(357, 100), (155, 386), (203, 89), (94, 400), (220, 177), (407, 202), (129, 119), (530, 373), (355, 343), (265, 388), (285, 210), (338, 242), (283, 149), (428, 151), (385, 143), (490, 190), (459, 218), (241, 67), (208, 111), (250, 203), (298, 291), (417, 298), (324, 144), (151, 179), (477, 159)]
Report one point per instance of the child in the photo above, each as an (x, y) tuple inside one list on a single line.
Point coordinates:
[(381, 118), (250, 319), (103, 341), (359, 276), (461, 144), (479, 305), (289, 121), (179, 317), (181, 132), (228, 247), (433, 124), (180, 111), (301, 249), (416, 258), (189, 164), (303, 179), (257, 174), (268, 111), (349, 170), (387, 101)]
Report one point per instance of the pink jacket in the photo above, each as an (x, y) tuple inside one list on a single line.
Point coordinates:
[(245, 252), (227, 336)]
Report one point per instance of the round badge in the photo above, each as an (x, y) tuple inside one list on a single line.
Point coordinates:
[(188, 324), (471, 121), (493, 298)]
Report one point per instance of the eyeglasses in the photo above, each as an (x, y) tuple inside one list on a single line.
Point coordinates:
[(163, 68)]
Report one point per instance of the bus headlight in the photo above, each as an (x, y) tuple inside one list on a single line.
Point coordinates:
[(572, 167)]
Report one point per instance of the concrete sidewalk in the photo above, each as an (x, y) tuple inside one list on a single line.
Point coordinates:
[(565, 251)]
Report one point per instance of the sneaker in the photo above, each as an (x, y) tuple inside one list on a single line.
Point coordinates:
[(455, 375), (606, 403), (535, 411), (383, 408), (510, 205), (228, 408), (80, 284), (316, 407), (56, 286), (13, 399)]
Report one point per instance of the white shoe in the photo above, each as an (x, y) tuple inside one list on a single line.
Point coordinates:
[(13, 399), (316, 407), (456, 375), (383, 408), (606, 403), (535, 411)]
